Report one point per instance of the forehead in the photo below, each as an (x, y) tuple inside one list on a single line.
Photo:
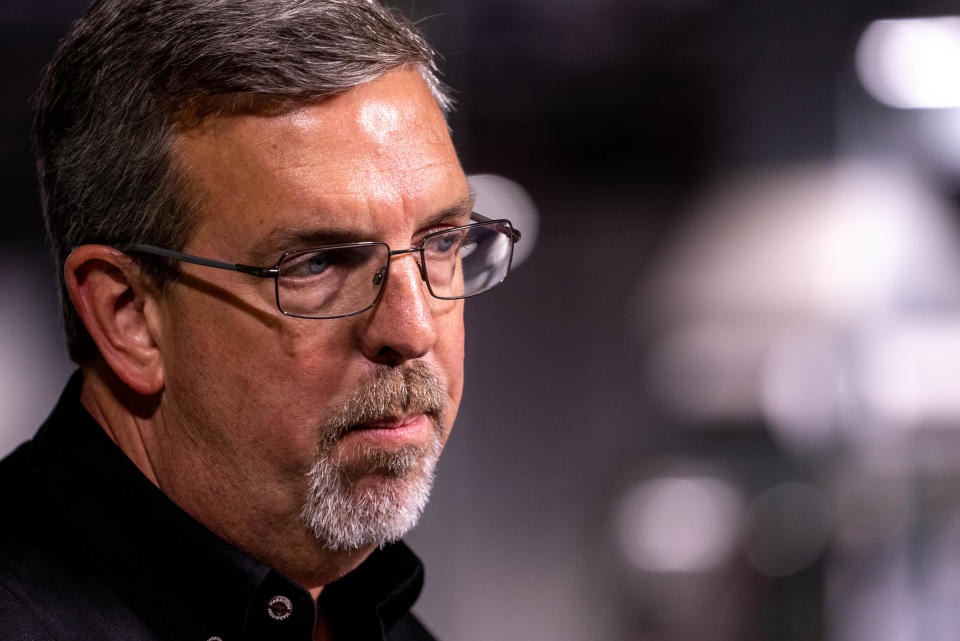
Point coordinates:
[(373, 158)]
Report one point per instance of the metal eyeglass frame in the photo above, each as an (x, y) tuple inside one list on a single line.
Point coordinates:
[(274, 272)]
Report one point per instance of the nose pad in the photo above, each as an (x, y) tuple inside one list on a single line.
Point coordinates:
[(381, 274), (421, 266)]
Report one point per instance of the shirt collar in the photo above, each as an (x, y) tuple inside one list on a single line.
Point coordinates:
[(165, 562)]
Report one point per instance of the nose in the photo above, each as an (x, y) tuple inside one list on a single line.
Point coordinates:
[(401, 326)]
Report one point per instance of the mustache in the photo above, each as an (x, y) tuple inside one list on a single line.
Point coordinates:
[(390, 392)]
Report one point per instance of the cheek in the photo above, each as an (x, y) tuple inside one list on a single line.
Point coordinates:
[(304, 370), (265, 388), (259, 386)]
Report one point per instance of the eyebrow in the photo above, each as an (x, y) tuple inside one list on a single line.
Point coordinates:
[(285, 239)]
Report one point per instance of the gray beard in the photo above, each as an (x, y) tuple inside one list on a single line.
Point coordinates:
[(377, 495)]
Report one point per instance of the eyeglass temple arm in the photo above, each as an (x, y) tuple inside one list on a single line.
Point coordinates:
[(514, 233), (262, 272)]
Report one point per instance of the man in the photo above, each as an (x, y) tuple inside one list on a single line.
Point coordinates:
[(264, 237)]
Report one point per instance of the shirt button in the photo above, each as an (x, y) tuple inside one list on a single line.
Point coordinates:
[(279, 608)]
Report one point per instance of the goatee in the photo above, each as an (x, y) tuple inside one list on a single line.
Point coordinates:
[(377, 494)]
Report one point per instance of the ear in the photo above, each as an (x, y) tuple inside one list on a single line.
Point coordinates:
[(119, 310)]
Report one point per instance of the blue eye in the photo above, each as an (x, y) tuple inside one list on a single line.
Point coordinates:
[(329, 263), (445, 243), (318, 263)]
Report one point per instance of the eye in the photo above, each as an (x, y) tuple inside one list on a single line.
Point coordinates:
[(330, 263), (318, 263), (310, 264), (445, 243)]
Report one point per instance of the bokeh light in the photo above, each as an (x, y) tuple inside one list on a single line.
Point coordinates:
[(679, 524), (912, 63)]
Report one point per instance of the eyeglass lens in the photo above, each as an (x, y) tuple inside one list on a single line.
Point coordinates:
[(347, 279), (343, 280)]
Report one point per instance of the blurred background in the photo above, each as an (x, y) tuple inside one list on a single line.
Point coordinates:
[(719, 396)]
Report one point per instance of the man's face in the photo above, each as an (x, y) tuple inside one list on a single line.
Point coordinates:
[(255, 401)]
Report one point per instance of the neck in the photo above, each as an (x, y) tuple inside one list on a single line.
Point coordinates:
[(321, 632)]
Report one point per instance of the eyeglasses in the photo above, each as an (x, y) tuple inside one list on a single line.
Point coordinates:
[(346, 279)]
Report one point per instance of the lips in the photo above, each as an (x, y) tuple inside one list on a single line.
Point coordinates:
[(388, 423), (406, 429)]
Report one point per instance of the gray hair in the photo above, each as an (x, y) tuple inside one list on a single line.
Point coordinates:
[(131, 72)]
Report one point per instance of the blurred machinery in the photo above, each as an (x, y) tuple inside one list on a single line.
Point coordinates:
[(811, 316)]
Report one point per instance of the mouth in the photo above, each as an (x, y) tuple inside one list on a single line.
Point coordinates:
[(399, 430)]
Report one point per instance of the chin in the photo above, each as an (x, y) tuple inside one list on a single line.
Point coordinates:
[(371, 499)]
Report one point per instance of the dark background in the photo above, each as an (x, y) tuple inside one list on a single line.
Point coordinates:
[(616, 117)]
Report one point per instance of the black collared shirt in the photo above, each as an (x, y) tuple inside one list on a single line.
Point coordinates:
[(91, 550)]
